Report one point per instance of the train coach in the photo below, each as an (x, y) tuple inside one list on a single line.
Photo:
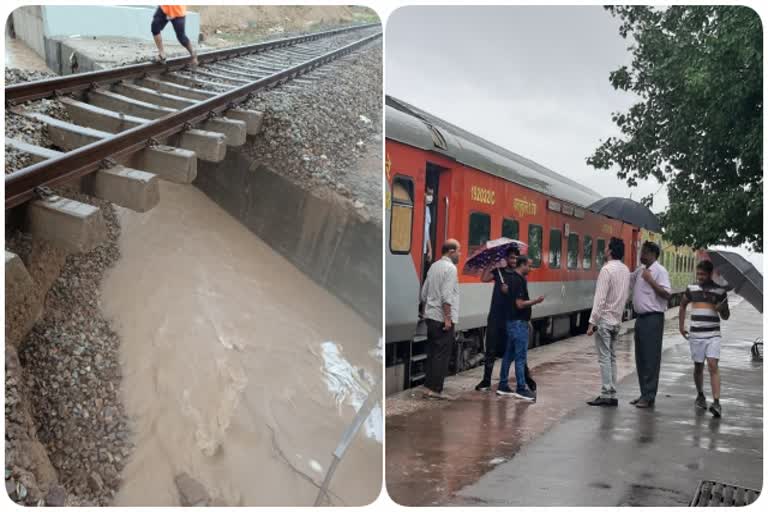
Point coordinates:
[(481, 192)]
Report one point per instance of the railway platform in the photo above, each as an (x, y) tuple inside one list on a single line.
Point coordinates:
[(481, 449)]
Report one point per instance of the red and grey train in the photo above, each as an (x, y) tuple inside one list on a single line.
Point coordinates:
[(482, 192)]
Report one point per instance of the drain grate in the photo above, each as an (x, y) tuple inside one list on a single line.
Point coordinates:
[(719, 494)]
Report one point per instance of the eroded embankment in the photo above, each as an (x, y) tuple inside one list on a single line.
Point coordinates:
[(67, 437), (66, 434)]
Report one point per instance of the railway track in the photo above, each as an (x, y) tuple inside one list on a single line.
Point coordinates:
[(127, 127)]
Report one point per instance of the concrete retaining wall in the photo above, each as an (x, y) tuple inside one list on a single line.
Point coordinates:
[(324, 239), (35, 25), (28, 26), (109, 20)]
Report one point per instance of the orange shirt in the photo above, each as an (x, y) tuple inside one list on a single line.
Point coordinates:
[(174, 11)]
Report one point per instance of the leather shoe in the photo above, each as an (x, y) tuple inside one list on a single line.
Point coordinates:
[(633, 402), (604, 402), (644, 404)]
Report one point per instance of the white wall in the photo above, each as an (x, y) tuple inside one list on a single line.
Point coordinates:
[(109, 20)]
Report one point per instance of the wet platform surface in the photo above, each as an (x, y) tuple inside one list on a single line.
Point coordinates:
[(486, 450)]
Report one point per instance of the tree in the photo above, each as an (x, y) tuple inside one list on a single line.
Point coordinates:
[(698, 126)]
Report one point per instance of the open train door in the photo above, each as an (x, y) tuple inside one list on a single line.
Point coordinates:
[(437, 181)]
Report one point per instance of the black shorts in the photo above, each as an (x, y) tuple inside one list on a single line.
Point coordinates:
[(160, 20)]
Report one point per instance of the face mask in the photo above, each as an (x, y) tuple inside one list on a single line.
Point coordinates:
[(429, 199)]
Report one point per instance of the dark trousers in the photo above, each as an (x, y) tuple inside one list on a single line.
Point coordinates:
[(649, 331), (495, 343), (439, 345), (160, 20)]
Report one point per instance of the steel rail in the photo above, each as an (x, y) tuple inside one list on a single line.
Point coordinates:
[(19, 93), (20, 186)]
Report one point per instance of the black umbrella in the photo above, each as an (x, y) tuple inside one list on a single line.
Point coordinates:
[(741, 275), (627, 210)]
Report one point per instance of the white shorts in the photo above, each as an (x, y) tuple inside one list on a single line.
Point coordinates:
[(704, 348)]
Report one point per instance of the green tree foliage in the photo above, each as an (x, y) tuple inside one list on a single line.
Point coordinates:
[(698, 126)]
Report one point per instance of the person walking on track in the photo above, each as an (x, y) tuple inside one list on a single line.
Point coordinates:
[(177, 15), (496, 332), (709, 303), (518, 319), (651, 291), (440, 306), (611, 295)]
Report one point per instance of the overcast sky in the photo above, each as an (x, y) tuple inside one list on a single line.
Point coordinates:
[(532, 79)]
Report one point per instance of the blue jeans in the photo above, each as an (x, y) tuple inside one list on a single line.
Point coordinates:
[(517, 350)]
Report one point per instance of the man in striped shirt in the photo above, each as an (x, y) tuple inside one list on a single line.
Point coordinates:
[(709, 302), (610, 299)]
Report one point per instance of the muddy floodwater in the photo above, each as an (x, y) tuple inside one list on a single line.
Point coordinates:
[(237, 368)]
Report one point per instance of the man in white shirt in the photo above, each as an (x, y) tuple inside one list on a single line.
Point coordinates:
[(611, 295), (440, 306), (651, 291)]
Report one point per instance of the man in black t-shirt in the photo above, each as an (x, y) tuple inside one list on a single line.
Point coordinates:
[(496, 332), (519, 307)]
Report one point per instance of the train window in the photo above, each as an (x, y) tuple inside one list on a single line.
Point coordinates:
[(573, 251), (479, 230), (510, 229), (600, 254), (535, 235), (555, 248), (401, 218), (586, 261)]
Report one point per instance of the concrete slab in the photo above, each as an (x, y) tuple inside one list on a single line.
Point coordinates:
[(210, 146), (234, 130), (19, 302), (147, 95), (196, 82), (99, 118), (252, 119), (226, 78), (481, 449), (128, 106), (171, 164), (74, 226), (35, 153), (207, 145), (129, 188), (177, 90), (66, 135)]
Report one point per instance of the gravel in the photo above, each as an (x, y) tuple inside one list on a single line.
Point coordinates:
[(25, 129), (325, 130), (71, 373)]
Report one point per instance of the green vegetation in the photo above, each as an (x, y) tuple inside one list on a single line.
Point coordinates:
[(698, 126)]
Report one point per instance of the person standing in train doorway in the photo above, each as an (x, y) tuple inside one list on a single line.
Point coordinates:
[(177, 15), (651, 291), (611, 295), (518, 319), (429, 197), (439, 307), (500, 273), (709, 303)]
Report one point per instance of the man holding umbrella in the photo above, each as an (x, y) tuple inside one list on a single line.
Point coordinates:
[(496, 331), (518, 320)]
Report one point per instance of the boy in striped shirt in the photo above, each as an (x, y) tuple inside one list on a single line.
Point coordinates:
[(709, 303)]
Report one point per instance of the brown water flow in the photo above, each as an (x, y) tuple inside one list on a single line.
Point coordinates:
[(225, 367)]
